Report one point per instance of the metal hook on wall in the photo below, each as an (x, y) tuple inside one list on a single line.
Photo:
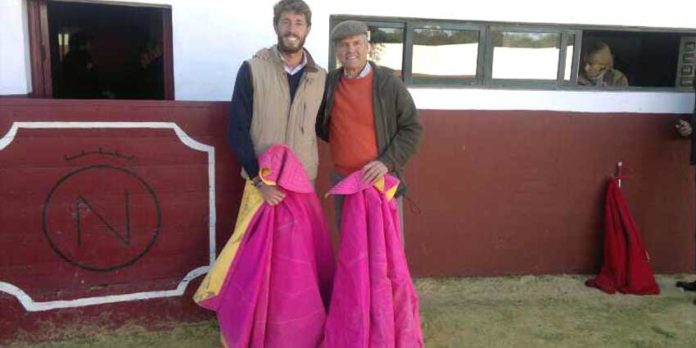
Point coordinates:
[(619, 172)]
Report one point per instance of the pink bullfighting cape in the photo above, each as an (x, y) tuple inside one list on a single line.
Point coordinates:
[(271, 283), (626, 266), (373, 303)]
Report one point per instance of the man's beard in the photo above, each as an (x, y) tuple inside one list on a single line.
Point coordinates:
[(289, 48)]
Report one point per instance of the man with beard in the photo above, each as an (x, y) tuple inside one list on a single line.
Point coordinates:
[(276, 100), (280, 246)]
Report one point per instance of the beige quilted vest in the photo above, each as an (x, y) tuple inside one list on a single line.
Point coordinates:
[(275, 120)]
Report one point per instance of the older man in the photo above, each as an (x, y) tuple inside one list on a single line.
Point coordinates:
[(598, 67), (372, 126), (368, 116)]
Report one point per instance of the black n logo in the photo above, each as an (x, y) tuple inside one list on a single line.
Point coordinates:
[(124, 238)]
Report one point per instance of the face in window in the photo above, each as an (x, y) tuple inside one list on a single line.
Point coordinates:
[(594, 65), (292, 30), (597, 60), (351, 52)]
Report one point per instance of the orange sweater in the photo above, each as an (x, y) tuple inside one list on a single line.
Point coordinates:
[(353, 141)]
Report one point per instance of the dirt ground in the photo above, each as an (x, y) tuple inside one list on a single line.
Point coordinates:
[(526, 311)]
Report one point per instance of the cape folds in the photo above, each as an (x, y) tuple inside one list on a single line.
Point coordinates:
[(374, 303), (272, 281)]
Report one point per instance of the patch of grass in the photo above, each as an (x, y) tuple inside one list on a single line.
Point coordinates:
[(552, 311), (663, 332), (201, 335), (526, 311)]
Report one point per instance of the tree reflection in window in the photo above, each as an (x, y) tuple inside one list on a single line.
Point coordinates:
[(386, 47), (444, 53), (525, 55)]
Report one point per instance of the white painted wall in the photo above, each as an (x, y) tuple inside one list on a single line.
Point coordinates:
[(579, 101), (666, 13), (213, 37), (15, 75)]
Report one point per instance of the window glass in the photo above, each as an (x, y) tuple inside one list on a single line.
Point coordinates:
[(445, 53), (525, 55), (387, 47), (570, 51)]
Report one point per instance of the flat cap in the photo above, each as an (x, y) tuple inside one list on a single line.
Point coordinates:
[(348, 28)]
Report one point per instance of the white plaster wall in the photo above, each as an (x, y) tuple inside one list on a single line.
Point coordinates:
[(15, 76), (206, 60), (579, 101), (252, 28), (666, 13), (213, 37)]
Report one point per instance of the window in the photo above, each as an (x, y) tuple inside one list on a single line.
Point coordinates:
[(531, 56), (100, 51), (646, 59), (444, 54), (525, 55), (462, 53), (387, 46)]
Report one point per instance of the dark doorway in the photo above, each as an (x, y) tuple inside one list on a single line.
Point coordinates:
[(100, 51)]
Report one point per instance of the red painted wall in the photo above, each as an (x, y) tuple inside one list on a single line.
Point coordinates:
[(516, 192), (491, 193), (95, 212)]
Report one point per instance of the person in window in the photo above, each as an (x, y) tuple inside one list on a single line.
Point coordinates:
[(685, 129), (80, 78), (151, 74), (598, 67)]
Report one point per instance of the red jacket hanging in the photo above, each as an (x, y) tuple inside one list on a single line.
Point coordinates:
[(626, 265)]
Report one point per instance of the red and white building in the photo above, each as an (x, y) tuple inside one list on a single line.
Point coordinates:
[(112, 208)]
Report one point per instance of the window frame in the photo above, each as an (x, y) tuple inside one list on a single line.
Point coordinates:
[(382, 24), (559, 82), (40, 48), (484, 61), (464, 26)]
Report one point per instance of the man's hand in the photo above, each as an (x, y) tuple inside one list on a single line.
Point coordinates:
[(271, 194), (684, 128), (263, 54), (373, 171)]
